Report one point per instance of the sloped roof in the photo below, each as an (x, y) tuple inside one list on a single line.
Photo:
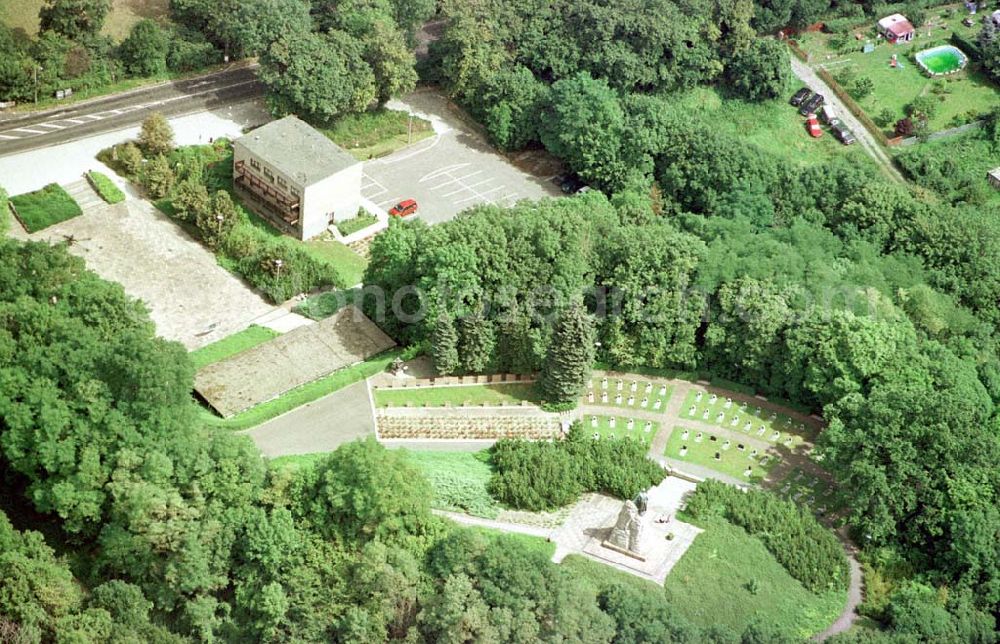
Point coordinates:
[(298, 150), (896, 24)]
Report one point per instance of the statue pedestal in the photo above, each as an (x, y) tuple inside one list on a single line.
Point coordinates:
[(622, 551)]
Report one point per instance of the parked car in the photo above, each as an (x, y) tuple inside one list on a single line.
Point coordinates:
[(841, 133), (572, 184), (404, 208), (812, 124), (826, 114), (800, 96), (812, 104)]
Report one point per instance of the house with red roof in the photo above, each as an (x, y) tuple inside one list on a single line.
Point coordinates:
[(896, 28)]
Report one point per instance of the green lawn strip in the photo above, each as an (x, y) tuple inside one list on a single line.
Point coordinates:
[(230, 346), (304, 394), (732, 461), (350, 266), (459, 480), (492, 394), (363, 220), (779, 429), (377, 133), (297, 462), (709, 585), (620, 430), (43, 208), (105, 187), (323, 305)]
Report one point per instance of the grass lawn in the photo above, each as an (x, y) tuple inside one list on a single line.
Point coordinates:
[(494, 394), (732, 462), (230, 346), (363, 220), (349, 265), (606, 432), (709, 585), (652, 390), (304, 394), (775, 428), (43, 208), (323, 305), (774, 126), (374, 134), (105, 187), (961, 96), (808, 490)]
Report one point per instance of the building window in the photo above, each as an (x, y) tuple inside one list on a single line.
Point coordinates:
[(295, 193), (281, 183), (268, 175), (255, 164)]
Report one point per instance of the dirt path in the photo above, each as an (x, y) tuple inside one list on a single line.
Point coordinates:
[(865, 139), (855, 591)]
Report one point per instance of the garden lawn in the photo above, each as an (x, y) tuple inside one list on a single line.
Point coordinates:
[(733, 462), (709, 585), (105, 187), (459, 480), (495, 394), (304, 394), (349, 266), (230, 346), (323, 305), (657, 391), (377, 133), (774, 126), (961, 96), (43, 208), (620, 431)]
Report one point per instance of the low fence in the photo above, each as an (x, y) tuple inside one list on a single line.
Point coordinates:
[(455, 381), (940, 134), (798, 51), (853, 106)]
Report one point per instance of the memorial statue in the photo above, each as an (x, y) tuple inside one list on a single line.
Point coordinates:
[(628, 529)]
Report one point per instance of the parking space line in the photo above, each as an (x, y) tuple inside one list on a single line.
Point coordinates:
[(466, 186), (454, 179), (9, 138), (434, 174), (480, 195)]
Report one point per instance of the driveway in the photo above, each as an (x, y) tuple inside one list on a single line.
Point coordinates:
[(865, 139), (449, 172), (319, 426)]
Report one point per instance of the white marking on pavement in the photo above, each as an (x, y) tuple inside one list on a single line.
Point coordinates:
[(454, 179), (441, 171), (9, 138), (24, 129)]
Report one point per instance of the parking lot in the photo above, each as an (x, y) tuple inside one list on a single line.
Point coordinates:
[(449, 172)]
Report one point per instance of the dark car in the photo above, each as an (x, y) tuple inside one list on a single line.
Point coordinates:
[(572, 184), (812, 105), (842, 134), (800, 96)]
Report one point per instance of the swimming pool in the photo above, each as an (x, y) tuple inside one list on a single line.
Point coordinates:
[(942, 60)]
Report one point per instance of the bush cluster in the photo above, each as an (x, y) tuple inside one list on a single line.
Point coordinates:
[(807, 550), (543, 476)]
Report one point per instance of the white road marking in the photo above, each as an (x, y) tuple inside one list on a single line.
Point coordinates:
[(51, 125), (480, 195), (9, 138), (24, 129), (454, 179), (467, 186), (441, 172)]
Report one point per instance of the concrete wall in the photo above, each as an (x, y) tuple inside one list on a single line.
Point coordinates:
[(333, 199)]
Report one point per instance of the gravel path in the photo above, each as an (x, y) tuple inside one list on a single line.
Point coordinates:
[(865, 139), (855, 591)]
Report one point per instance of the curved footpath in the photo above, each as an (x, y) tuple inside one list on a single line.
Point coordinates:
[(855, 591)]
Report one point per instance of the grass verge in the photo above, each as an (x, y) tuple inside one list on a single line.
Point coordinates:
[(304, 394), (323, 305), (727, 576), (43, 208), (105, 187), (732, 461), (509, 394), (230, 346), (377, 133), (363, 220), (349, 266)]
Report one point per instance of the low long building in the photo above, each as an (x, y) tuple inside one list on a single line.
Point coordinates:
[(296, 178)]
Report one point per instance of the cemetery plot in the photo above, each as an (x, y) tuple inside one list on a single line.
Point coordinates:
[(457, 396), (806, 489), (618, 427), (727, 456), (628, 392), (746, 417)]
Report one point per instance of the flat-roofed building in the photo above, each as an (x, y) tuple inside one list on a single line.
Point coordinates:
[(295, 177)]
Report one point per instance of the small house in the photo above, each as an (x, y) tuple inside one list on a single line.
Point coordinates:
[(293, 176), (994, 177), (896, 28)]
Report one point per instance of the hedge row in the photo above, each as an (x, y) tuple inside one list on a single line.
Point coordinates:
[(808, 551), (4, 211), (106, 188), (539, 476), (853, 106)]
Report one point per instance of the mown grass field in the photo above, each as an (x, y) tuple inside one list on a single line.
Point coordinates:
[(227, 347), (732, 462), (711, 585), (23, 14), (621, 430), (43, 208), (779, 429), (508, 394)]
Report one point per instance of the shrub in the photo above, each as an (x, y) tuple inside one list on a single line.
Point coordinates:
[(863, 86), (360, 221), (884, 117), (808, 551), (130, 157), (543, 476), (156, 136), (105, 187), (158, 177)]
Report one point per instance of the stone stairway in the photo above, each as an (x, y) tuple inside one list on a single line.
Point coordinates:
[(84, 195)]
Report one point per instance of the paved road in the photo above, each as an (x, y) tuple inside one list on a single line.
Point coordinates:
[(319, 426), (119, 111), (865, 139)]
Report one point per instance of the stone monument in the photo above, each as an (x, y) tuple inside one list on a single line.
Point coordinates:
[(627, 531)]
